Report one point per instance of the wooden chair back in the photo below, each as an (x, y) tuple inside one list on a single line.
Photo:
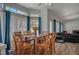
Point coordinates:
[(17, 33), (25, 33), (52, 41), (47, 39), (52, 36), (43, 45), (18, 43), (40, 39)]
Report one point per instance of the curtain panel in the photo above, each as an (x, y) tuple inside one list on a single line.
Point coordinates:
[(7, 31), (40, 24), (54, 25), (28, 23), (0, 32)]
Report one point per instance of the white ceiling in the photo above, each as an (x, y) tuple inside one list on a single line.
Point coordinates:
[(30, 5), (64, 11)]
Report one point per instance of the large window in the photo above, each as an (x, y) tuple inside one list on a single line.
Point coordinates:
[(61, 27), (51, 26), (1, 5), (18, 23), (57, 26), (18, 20)]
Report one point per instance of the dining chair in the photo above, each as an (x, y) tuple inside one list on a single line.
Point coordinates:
[(27, 47), (18, 44), (43, 46), (25, 33), (52, 42), (21, 47)]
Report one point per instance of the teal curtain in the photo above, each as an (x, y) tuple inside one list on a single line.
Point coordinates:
[(0, 32), (40, 24), (7, 31), (28, 23), (59, 26), (54, 25)]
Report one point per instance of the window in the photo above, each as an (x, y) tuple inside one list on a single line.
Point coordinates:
[(51, 26), (18, 23), (21, 12), (11, 9), (1, 5), (57, 26), (14, 10), (33, 21)]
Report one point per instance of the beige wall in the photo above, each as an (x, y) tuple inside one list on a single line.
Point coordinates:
[(71, 25)]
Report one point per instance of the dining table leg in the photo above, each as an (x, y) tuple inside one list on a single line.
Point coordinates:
[(50, 48), (34, 46)]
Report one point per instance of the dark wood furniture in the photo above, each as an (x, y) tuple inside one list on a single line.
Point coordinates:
[(21, 47), (48, 44), (43, 44), (52, 42)]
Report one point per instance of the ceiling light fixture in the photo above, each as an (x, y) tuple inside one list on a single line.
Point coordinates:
[(48, 4)]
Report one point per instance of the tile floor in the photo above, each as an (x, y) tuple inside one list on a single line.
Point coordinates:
[(67, 49)]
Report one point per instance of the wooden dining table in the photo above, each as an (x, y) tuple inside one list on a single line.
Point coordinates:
[(34, 39)]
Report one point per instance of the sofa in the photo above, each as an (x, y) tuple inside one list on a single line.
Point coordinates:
[(73, 38)]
